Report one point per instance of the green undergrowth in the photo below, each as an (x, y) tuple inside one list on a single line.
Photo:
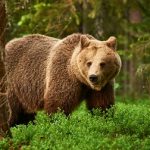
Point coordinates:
[(127, 129)]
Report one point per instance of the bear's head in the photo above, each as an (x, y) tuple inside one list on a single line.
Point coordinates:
[(94, 62)]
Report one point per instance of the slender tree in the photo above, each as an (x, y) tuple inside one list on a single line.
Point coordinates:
[(4, 108)]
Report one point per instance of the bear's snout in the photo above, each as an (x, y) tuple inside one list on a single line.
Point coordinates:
[(93, 78)]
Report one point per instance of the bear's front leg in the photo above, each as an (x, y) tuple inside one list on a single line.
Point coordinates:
[(103, 99), (65, 98), (61, 102)]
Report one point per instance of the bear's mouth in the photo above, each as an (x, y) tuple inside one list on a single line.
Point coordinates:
[(98, 85), (97, 88)]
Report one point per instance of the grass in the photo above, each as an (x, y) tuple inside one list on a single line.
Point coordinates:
[(128, 129)]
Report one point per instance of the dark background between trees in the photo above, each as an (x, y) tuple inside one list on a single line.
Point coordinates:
[(128, 20)]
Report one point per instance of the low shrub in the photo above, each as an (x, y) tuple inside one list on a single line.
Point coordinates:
[(128, 128)]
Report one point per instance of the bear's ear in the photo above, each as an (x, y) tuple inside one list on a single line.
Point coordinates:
[(84, 41), (112, 42)]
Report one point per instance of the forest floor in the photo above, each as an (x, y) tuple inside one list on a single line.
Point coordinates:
[(128, 129)]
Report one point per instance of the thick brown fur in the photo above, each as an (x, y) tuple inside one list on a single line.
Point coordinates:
[(40, 76), (104, 99)]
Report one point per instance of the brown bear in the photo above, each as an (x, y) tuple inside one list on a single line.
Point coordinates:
[(51, 74)]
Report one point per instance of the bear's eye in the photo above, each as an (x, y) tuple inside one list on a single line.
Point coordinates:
[(89, 63), (102, 64)]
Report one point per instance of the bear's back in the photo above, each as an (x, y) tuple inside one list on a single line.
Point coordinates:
[(28, 47)]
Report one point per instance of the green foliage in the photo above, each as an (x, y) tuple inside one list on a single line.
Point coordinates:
[(142, 48), (54, 18), (127, 129)]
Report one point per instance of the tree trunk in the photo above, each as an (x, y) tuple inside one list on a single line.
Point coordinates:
[(4, 107)]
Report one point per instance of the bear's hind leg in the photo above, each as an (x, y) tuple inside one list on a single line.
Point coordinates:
[(15, 108), (18, 115)]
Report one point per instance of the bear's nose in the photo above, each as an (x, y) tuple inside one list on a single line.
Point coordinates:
[(93, 78)]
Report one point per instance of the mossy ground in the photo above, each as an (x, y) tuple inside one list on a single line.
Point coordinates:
[(128, 129)]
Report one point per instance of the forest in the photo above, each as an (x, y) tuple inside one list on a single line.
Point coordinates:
[(129, 22)]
